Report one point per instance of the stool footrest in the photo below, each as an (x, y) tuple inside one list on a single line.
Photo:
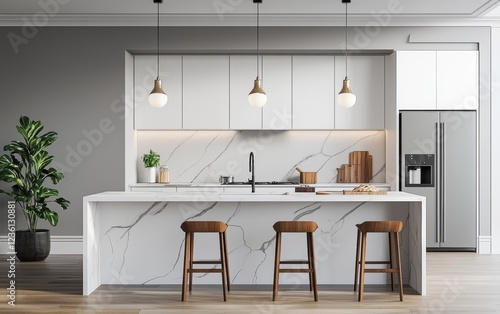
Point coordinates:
[(381, 270), (207, 262), (295, 270), (294, 262), (205, 270), (376, 262)]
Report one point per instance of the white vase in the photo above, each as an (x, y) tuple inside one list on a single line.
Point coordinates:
[(151, 175)]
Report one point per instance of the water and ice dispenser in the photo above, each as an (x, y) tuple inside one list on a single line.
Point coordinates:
[(419, 170)]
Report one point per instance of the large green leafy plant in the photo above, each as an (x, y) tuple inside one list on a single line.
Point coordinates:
[(27, 166)]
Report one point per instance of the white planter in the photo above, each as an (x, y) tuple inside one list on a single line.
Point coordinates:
[(151, 175)]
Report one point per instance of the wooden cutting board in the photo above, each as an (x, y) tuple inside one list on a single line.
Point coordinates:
[(364, 193), (327, 192)]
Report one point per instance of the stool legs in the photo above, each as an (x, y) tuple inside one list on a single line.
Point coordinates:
[(223, 264), (187, 258), (356, 264), (400, 273), (277, 260), (362, 267), (187, 275), (310, 263), (226, 266), (394, 263)]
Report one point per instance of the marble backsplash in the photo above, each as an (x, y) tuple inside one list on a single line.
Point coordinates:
[(203, 156)]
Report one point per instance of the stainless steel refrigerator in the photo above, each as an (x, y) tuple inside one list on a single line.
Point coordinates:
[(439, 161)]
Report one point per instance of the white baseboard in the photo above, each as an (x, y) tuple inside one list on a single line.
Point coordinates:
[(58, 245), (484, 246)]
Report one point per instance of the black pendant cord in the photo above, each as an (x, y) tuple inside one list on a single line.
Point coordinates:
[(158, 41), (346, 39), (258, 38)]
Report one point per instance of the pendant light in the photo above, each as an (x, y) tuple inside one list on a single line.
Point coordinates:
[(257, 97), (346, 97), (157, 97)]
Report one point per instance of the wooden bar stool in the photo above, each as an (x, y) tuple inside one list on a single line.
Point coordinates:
[(295, 226), (392, 228), (190, 227)]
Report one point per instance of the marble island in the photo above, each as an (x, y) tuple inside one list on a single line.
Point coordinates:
[(135, 237)]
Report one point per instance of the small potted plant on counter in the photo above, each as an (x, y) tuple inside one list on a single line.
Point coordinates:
[(27, 166), (151, 161)]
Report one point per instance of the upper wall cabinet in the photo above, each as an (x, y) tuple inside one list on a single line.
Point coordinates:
[(169, 116), (205, 92), (313, 92), (457, 80), (437, 80), (366, 75), (277, 83), (416, 80), (242, 74)]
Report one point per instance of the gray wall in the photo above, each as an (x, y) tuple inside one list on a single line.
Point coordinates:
[(73, 79)]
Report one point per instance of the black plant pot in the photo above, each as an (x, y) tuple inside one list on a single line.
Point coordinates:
[(32, 246)]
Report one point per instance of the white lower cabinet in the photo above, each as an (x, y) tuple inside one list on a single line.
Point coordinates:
[(205, 92), (313, 92), (366, 76), (147, 117)]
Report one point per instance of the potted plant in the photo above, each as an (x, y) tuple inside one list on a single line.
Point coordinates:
[(151, 161), (27, 166)]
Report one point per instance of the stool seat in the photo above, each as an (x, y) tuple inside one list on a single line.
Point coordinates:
[(295, 226), (190, 228), (392, 228), (203, 226), (380, 226), (307, 227)]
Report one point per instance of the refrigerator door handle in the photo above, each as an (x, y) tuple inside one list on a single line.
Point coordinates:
[(442, 183), (437, 186)]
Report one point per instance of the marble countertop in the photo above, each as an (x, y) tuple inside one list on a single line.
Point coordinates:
[(121, 196), (214, 184)]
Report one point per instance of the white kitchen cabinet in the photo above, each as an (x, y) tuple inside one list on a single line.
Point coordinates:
[(313, 87), (146, 116), (242, 74), (366, 75), (457, 80), (277, 83), (437, 80), (205, 92), (416, 80)]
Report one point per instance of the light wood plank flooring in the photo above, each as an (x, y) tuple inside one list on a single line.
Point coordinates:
[(457, 283)]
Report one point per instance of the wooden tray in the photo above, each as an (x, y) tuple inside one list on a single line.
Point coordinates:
[(328, 192), (364, 193)]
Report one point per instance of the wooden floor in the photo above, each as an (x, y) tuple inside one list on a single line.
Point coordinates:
[(457, 283)]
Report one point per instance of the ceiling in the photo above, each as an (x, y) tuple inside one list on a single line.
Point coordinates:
[(242, 12)]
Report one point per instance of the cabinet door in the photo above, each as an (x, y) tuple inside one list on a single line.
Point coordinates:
[(313, 92), (146, 116), (205, 92), (366, 75), (457, 80), (243, 70), (416, 80), (277, 83)]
